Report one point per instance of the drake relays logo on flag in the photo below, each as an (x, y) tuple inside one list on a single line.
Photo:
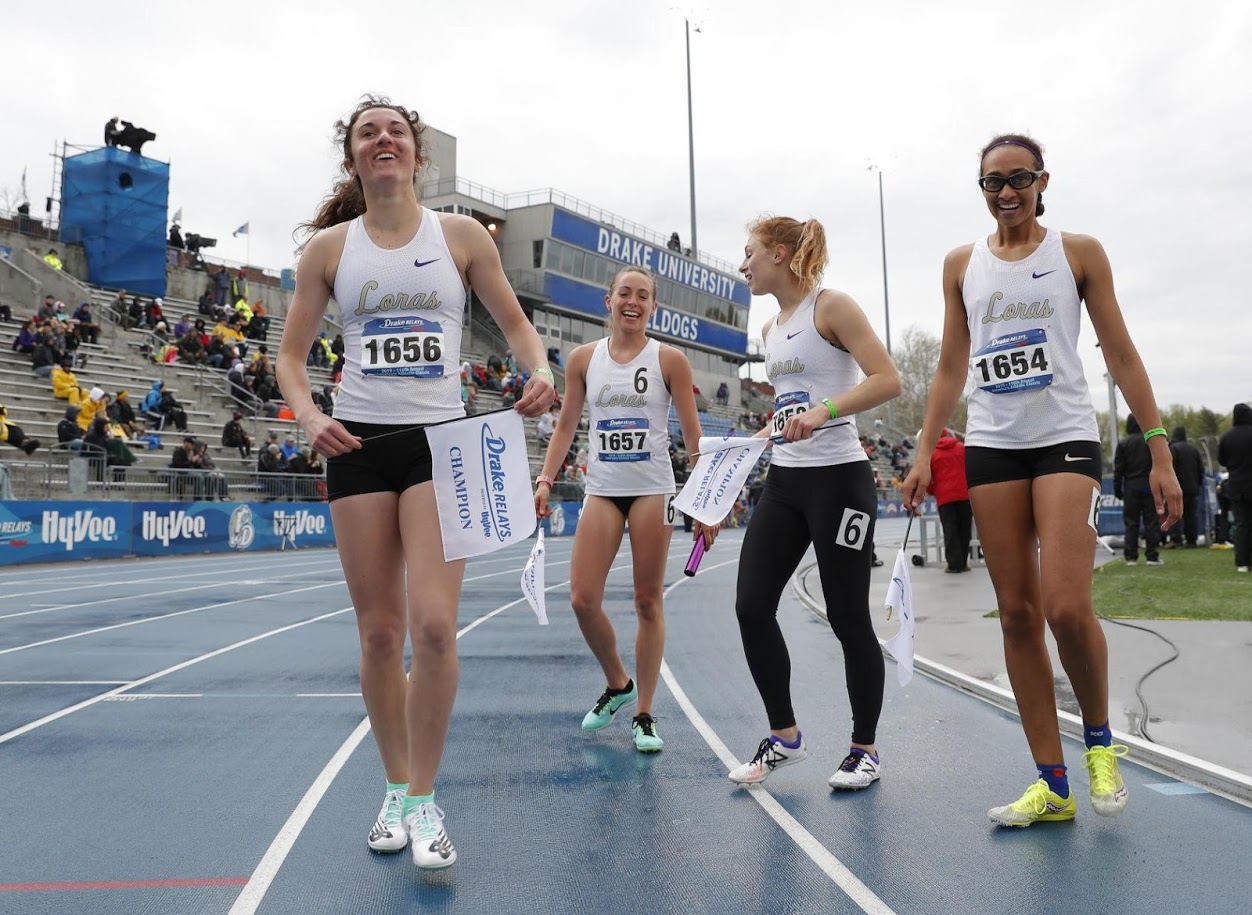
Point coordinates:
[(482, 483), (710, 492)]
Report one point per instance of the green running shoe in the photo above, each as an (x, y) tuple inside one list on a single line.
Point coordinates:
[(647, 740), (608, 705)]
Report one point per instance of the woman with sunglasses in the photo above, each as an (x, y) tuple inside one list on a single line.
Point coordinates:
[(1033, 459)]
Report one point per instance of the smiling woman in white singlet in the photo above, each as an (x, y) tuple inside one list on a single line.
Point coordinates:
[(399, 274), (1013, 305), (628, 383)]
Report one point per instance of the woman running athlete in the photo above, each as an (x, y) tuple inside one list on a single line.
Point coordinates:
[(628, 383), (400, 274), (819, 492), (1013, 305)]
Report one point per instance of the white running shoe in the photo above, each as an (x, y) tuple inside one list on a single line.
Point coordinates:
[(770, 755), (432, 849), (389, 834), (857, 771)]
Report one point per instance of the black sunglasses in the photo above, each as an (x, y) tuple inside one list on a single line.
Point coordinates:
[(1017, 180)]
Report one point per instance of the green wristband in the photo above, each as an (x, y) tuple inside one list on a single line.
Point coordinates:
[(1151, 432), (544, 370), (830, 405)]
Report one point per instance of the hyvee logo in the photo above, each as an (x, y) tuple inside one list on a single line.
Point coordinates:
[(495, 520), (298, 523), (82, 526), (173, 525)]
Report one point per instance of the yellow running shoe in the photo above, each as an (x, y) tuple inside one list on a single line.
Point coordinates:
[(1108, 791), (1038, 805)]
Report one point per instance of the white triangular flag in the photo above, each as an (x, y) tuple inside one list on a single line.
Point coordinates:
[(714, 485), (900, 599), (532, 581)]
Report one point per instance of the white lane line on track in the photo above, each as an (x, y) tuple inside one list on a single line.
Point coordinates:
[(86, 703), (62, 682), (131, 566), (147, 595), (835, 869), (166, 616), (81, 585), (249, 900)]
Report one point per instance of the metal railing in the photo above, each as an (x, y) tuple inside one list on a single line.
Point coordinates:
[(495, 198)]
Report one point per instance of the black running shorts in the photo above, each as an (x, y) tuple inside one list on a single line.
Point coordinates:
[(1001, 465), (391, 459)]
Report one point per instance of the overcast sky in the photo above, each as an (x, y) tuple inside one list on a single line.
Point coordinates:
[(1146, 117)]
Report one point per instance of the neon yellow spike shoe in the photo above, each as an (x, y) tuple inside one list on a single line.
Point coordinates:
[(1108, 791), (1038, 805)]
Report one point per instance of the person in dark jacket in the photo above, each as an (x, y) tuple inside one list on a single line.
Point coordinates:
[(1234, 452), (1189, 468), (122, 413), (69, 432), (951, 492), (1132, 463)]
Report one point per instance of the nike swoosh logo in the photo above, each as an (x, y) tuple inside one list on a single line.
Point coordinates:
[(424, 263), (1038, 276), (1071, 458), (796, 334)]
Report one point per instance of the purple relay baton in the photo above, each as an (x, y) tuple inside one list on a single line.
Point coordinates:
[(693, 561)]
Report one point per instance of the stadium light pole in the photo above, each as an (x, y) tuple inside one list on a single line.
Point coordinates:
[(886, 302), (691, 139)]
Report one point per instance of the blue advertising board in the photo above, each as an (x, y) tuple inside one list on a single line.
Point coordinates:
[(665, 322), (626, 249), (58, 531)]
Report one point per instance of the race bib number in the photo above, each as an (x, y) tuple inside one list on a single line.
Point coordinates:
[(1014, 362), (853, 527), (623, 440), (404, 345), (785, 407)]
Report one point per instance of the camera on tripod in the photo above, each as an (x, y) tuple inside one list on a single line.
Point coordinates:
[(196, 242)]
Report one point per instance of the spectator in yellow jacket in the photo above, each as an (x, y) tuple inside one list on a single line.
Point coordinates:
[(65, 384), (97, 402)]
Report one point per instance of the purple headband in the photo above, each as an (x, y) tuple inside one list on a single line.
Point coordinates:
[(1031, 150)]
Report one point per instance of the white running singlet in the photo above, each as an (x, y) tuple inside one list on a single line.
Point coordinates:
[(1028, 387), (402, 312), (805, 368), (629, 408)]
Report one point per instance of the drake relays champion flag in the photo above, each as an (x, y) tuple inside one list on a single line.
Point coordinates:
[(710, 492), (482, 483)]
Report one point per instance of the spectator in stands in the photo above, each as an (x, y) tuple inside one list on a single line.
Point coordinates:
[(183, 325), (221, 287), (235, 436), (325, 399), (319, 352), (122, 413), (547, 424), (134, 313), (259, 314), (239, 380), (176, 238), (53, 260), (270, 461), (69, 432), (88, 330), (116, 451), (187, 477), (12, 434), (65, 383), (1234, 452), (723, 394), (951, 491), (289, 448), (204, 305), (27, 337), (218, 351), (47, 311), (154, 313), (191, 350), (6, 313), (675, 243), (43, 359), (1132, 464), (554, 356), (1189, 468), (239, 286), (336, 349), (214, 480), (95, 403)]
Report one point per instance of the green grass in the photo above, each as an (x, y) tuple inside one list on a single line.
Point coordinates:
[(1199, 584)]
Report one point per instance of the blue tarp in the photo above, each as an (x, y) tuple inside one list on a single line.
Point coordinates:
[(116, 201)]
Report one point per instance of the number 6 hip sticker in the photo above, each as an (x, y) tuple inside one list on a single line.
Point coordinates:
[(852, 529)]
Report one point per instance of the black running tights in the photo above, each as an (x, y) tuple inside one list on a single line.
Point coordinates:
[(834, 508)]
